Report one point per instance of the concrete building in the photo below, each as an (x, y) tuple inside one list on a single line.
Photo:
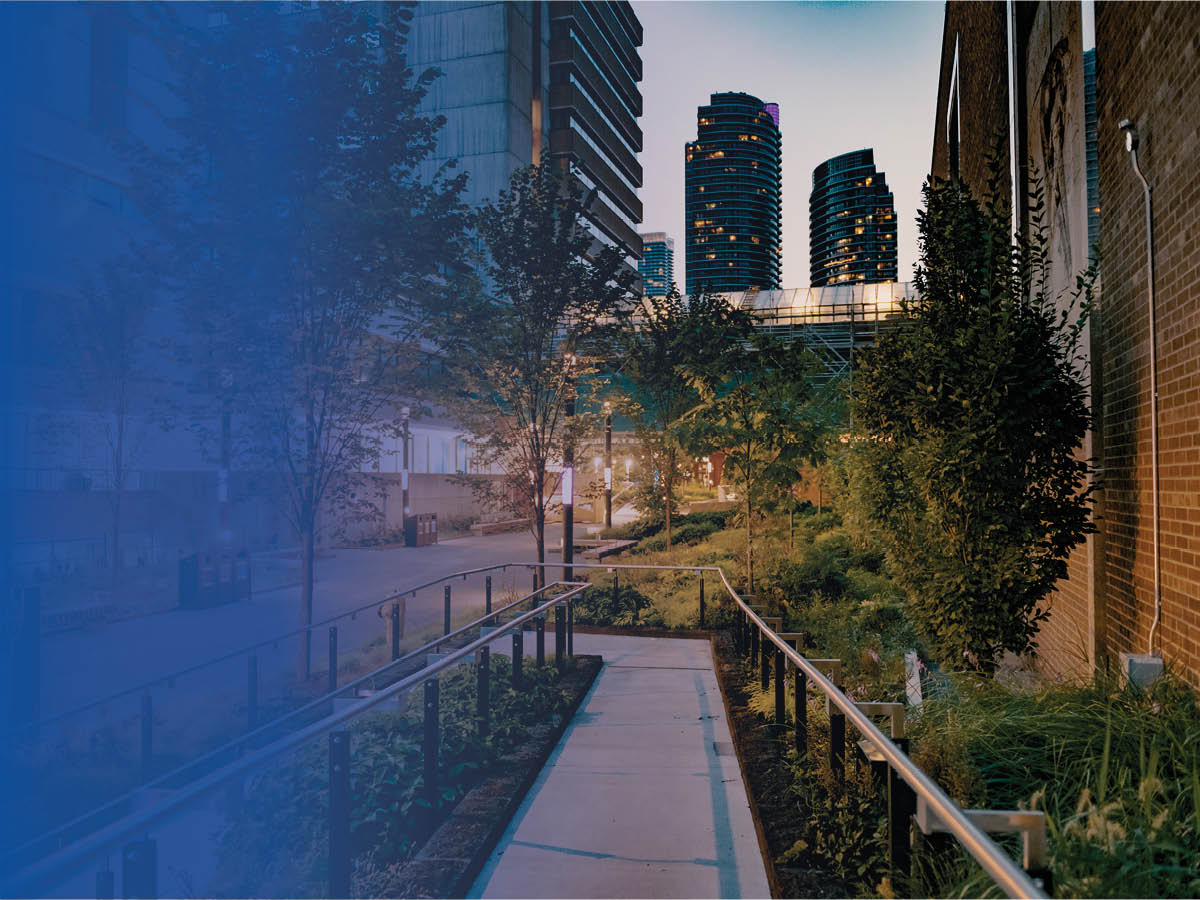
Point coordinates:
[(733, 203), (852, 222), (523, 81), (1016, 78), (657, 266)]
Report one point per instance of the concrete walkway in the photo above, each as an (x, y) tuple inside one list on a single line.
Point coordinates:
[(643, 796)]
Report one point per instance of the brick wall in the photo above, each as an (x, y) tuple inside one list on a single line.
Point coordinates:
[(1148, 70), (983, 91)]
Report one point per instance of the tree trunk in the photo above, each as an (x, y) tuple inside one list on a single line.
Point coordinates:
[(670, 494), (307, 542), (749, 549)]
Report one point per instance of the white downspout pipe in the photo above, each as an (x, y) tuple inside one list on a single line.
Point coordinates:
[(1131, 145)]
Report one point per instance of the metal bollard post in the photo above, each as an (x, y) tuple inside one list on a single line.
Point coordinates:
[(139, 870), (570, 629), (902, 804), (801, 713), (429, 752), (487, 594), (395, 631), (333, 665), (766, 662), (147, 736), (483, 691), (780, 713), (446, 613), (560, 636), (541, 640), (252, 692), (518, 651), (339, 814), (701, 601)]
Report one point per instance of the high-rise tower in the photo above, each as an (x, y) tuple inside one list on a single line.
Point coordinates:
[(732, 195), (657, 267), (852, 222)]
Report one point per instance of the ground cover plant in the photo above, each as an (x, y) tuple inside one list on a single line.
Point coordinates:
[(275, 840), (1116, 770)]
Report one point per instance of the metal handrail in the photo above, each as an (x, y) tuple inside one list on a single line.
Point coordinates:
[(67, 859), (1003, 870), (234, 654), (1009, 877), (60, 831)]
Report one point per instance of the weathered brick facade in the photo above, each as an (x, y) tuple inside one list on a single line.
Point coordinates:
[(1148, 70)]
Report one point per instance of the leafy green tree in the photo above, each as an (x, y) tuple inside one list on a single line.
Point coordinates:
[(757, 406), (520, 350), (289, 219), (669, 337), (967, 421)]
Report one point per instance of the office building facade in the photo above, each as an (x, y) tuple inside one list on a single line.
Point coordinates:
[(733, 185), (657, 266), (852, 222)]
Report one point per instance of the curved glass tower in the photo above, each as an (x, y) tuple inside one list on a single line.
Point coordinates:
[(852, 222), (732, 195)]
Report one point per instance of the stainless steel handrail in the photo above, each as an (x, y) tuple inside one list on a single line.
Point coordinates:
[(234, 654), (59, 832), (1009, 877), (25, 883)]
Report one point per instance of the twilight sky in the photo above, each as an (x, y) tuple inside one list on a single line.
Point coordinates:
[(846, 76)]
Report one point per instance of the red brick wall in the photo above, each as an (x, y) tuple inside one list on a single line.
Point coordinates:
[(1148, 70), (983, 91)]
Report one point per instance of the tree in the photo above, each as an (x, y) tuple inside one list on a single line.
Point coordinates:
[(291, 223), (670, 337), (967, 420), (757, 407), (520, 350)]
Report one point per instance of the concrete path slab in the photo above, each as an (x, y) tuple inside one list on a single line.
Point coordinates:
[(643, 796)]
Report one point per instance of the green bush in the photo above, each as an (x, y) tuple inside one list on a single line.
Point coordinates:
[(597, 605)]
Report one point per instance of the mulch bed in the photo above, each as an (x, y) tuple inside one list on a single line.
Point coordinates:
[(455, 853), (760, 749)]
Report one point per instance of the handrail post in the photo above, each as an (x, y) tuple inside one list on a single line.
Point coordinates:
[(753, 643), (333, 664), (430, 754), (518, 653), (765, 668), (801, 713), (251, 692), (147, 735), (837, 740), (487, 595), (139, 870), (902, 803), (395, 631), (446, 613), (339, 814), (560, 637), (780, 713), (483, 684), (541, 640), (571, 629), (701, 599)]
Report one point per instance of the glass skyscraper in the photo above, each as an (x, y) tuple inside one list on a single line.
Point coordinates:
[(657, 267), (852, 222), (733, 186)]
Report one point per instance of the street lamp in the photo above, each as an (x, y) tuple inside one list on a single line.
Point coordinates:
[(608, 464), (404, 414)]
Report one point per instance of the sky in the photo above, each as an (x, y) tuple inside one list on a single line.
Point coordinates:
[(845, 75)]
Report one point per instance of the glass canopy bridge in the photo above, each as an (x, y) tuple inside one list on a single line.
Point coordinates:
[(832, 321)]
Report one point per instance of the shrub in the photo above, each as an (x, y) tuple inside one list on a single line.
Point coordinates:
[(597, 605)]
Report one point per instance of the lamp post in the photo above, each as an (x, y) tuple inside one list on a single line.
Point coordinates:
[(404, 414), (607, 465), (568, 477)]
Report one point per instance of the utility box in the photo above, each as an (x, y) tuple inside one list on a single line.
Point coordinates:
[(213, 578), (420, 530)]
